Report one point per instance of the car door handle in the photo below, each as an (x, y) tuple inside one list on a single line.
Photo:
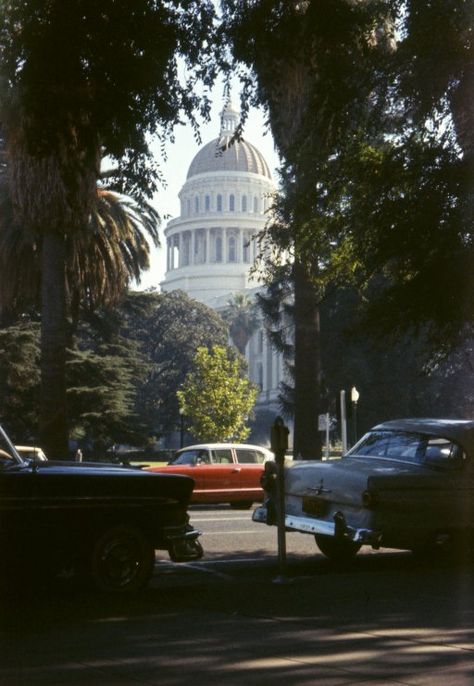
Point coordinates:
[(236, 469)]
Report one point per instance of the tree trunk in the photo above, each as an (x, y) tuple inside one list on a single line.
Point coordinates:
[(307, 439), (53, 415)]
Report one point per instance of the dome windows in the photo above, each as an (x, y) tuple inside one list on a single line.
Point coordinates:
[(231, 202), (219, 202)]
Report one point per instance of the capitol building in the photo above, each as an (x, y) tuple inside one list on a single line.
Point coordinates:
[(211, 246)]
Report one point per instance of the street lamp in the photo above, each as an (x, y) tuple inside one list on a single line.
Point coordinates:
[(181, 427), (355, 395)]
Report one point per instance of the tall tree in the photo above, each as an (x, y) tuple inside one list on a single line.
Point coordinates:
[(310, 68), (241, 314), (81, 80)]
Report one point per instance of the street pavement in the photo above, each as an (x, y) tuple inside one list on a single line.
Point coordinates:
[(387, 619)]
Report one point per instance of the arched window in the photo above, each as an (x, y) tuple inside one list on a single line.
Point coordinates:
[(207, 203), (244, 203), (232, 203), (255, 204), (219, 203), (196, 204)]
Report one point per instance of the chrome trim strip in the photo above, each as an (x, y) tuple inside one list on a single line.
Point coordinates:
[(311, 525)]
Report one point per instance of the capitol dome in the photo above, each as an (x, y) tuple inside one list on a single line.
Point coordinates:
[(212, 245), (224, 154)]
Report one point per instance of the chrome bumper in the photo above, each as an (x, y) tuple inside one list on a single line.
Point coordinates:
[(337, 528)]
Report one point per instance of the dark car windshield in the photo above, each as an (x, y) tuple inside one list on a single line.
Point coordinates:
[(410, 447)]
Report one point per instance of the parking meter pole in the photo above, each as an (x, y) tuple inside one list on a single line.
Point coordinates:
[(279, 444)]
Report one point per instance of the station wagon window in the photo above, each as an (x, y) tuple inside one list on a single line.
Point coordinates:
[(222, 456), (410, 447), (246, 456)]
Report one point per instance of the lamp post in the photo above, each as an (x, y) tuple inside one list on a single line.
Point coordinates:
[(181, 427), (355, 395)]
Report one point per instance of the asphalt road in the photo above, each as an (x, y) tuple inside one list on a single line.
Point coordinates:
[(231, 619)]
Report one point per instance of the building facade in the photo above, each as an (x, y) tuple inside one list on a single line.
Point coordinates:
[(211, 246)]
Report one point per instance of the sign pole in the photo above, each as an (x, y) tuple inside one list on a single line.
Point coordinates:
[(343, 422)]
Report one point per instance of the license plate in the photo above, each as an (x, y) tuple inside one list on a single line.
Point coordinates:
[(314, 506)]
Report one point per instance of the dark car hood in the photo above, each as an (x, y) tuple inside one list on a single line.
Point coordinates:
[(61, 478)]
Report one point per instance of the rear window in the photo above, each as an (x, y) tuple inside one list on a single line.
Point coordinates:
[(249, 456), (410, 447)]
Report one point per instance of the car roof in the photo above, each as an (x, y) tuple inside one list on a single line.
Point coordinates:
[(459, 430), (218, 446)]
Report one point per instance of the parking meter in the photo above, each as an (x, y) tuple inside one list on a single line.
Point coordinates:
[(279, 445)]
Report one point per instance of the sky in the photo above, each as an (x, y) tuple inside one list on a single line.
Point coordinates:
[(180, 155)]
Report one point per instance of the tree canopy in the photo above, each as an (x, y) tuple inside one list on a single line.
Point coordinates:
[(82, 81), (216, 397)]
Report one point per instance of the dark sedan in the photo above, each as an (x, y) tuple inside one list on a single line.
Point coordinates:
[(104, 521)]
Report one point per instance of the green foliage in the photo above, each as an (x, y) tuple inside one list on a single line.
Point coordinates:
[(241, 314), (165, 330), (20, 379), (82, 81), (216, 398), (102, 388)]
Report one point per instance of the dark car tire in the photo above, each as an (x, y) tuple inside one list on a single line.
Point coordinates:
[(122, 560), (242, 505), (336, 549)]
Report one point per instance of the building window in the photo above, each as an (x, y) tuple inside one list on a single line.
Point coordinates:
[(246, 246), (186, 252), (207, 203), (196, 204), (244, 203), (200, 247), (232, 203), (219, 203), (260, 375), (255, 204), (219, 249), (188, 207), (232, 256)]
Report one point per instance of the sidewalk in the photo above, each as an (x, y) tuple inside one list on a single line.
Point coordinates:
[(400, 626)]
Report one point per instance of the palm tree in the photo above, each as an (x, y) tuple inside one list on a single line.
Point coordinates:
[(78, 83), (243, 320), (100, 260)]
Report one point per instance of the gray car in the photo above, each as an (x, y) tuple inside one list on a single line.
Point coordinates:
[(407, 484)]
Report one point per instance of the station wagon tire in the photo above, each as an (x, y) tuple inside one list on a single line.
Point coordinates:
[(242, 505), (122, 560), (338, 550)]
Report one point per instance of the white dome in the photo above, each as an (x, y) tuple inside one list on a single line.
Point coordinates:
[(225, 154), (222, 155)]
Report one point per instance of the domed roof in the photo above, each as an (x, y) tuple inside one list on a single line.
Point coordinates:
[(223, 154)]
